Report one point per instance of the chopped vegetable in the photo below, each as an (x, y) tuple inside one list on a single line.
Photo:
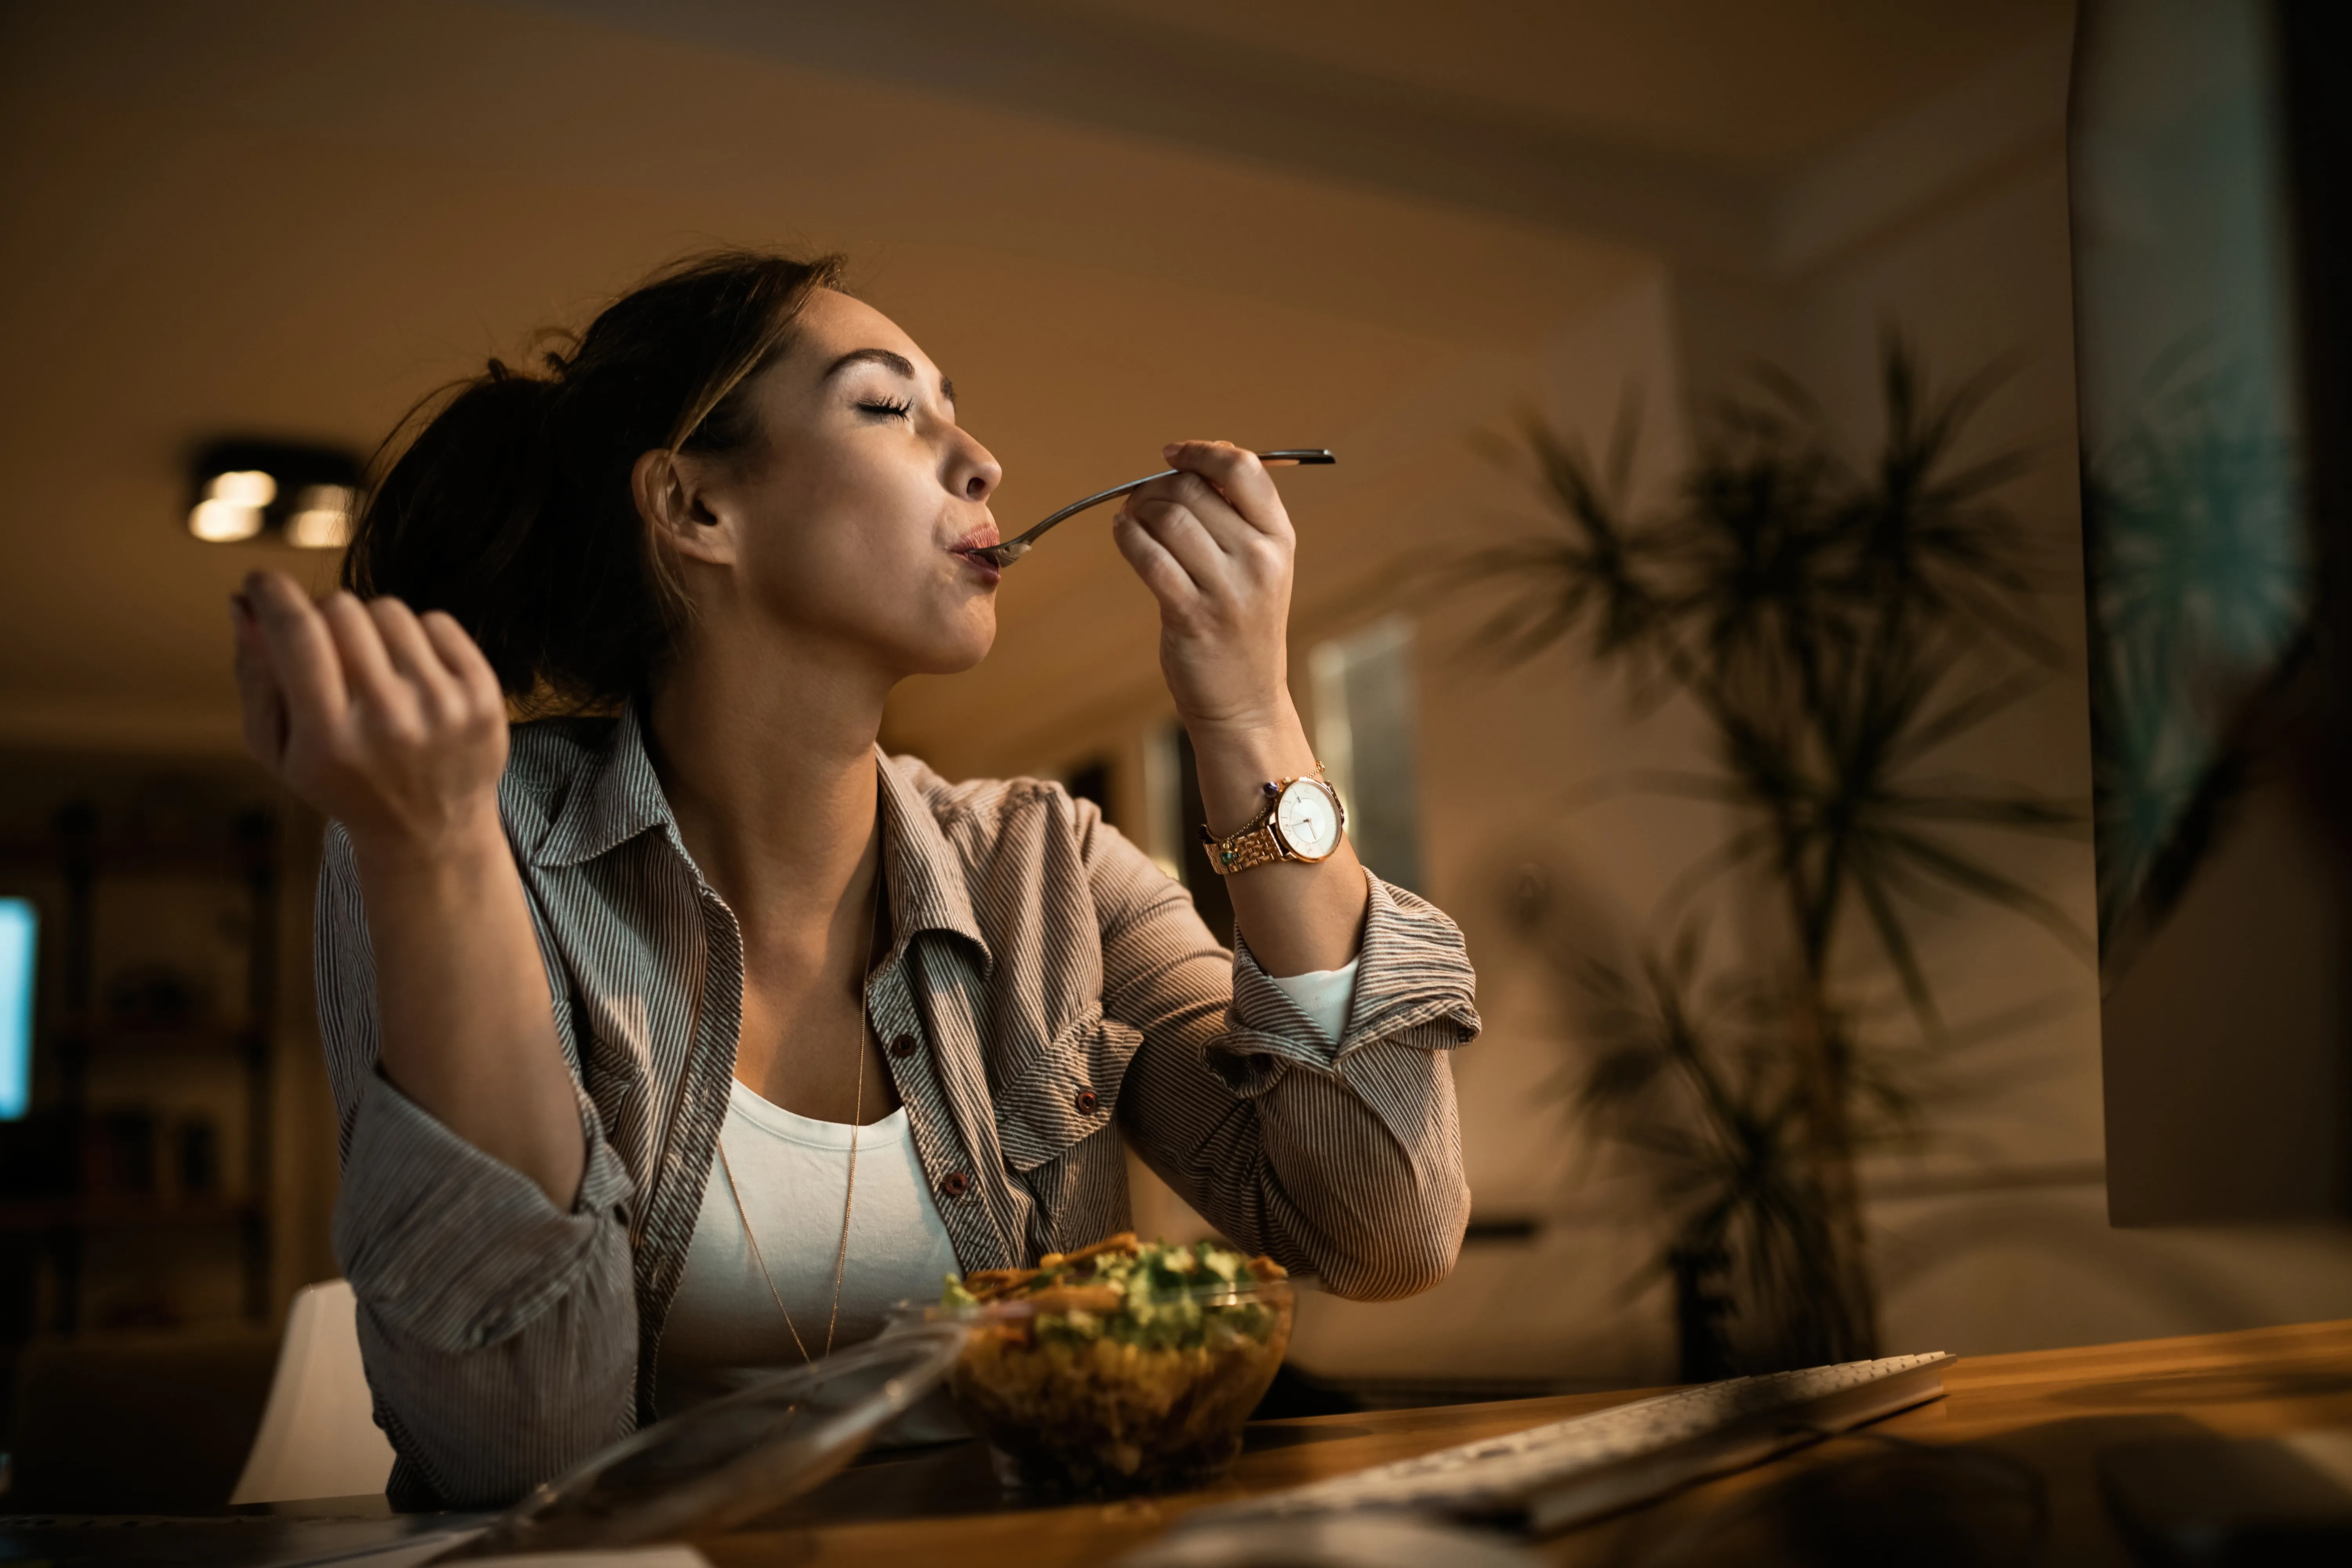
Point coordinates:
[(1124, 1365)]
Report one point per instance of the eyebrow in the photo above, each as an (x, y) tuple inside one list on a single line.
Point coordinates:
[(889, 360)]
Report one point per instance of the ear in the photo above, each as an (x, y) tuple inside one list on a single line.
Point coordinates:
[(669, 490)]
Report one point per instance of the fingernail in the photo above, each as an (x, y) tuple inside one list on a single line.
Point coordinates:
[(1170, 450)]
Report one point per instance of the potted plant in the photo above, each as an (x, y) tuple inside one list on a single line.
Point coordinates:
[(1841, 628)]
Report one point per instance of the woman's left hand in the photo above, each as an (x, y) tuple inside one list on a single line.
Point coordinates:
[(1214, 545)]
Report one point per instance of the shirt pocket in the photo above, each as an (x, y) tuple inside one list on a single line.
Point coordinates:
[(1067, 1091)]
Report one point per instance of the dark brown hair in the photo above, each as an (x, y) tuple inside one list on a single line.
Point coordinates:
[(510, 508)]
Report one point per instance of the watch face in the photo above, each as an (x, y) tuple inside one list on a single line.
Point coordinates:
[(1309, 820)]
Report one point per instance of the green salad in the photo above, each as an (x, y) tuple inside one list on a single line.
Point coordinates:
[(1148, 1294), (1126, 1365)]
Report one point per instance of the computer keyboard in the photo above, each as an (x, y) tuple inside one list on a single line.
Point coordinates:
[(1547, 1478)]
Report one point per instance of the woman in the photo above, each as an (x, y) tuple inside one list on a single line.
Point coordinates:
[(613, 1004)]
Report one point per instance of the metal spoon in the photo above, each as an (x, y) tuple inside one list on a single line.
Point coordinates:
[(1012, 549)]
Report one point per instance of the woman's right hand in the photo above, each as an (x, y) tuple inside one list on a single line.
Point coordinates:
[(390, 722)]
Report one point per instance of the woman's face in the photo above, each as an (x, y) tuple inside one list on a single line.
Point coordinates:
[(852, 522)]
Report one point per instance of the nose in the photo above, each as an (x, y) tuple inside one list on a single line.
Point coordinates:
[(974, 472)]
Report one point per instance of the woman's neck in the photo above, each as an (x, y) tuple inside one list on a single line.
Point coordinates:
[(767, 760)]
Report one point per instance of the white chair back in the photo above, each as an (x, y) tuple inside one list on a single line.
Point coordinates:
[(319, 1437)]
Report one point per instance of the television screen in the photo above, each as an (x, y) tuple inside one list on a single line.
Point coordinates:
[(18, 928), (2209, 187)]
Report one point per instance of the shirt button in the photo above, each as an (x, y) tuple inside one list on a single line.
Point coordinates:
[(904, 1045), (954, 1182), (1087, 1101)]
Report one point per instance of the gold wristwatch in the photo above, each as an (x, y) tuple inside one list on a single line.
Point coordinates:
[(1301, 820)]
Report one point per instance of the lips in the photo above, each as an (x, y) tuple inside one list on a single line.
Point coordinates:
[(980, 538)]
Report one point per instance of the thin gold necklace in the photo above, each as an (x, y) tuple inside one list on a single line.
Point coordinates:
[(849, 1193)]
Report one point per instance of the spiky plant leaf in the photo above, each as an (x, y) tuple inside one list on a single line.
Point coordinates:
[(1838, 625)]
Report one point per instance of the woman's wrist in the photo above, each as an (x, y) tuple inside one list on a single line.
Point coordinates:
[(1297, 916), (448, 861), (1237, 761)]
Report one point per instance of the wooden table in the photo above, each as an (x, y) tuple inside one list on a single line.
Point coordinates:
[(2043, 1415)]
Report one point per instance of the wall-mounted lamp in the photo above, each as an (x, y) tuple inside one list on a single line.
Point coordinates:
[(309, 496)]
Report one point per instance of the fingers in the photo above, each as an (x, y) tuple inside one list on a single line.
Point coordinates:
[(304, 666), (416, 660), (1169, 582), (1239, 478), (367, 664), (390, 723), (260, 703), (464, 658), (1178, 530), (1219, 504), (1213, 544), (1232, 532)]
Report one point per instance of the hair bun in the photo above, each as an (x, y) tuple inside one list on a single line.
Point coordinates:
[(507, 499)]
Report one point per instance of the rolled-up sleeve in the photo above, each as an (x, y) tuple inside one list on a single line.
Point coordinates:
[(454, 1248), (1341, 1159), (499, 1332)]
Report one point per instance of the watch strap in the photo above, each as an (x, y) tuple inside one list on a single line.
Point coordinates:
[(1252, 847)]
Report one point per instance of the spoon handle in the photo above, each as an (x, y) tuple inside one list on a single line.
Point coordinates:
[(1012, 549)]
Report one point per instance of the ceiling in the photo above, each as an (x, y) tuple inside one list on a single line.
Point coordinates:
[(290, 218), (1745, 85), (390, 196), (1674, 124)]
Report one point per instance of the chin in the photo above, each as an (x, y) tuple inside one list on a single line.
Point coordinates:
[(970, 657), (954, 654)]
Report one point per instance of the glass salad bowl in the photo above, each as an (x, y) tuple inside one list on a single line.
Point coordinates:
[(1124, 1367)]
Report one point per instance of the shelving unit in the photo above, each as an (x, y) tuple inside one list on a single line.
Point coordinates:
[(87, 865)]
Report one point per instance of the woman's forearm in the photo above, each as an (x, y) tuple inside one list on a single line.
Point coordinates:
[(1296, 916), (468, 1032), (395, 726), (1213, 542)]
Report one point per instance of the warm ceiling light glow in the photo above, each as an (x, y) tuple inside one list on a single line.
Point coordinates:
[(322, 519), (220, 522), (247, 488), (261, 491)]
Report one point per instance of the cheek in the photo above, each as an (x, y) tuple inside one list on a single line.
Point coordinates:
[(854, 549), (874, 525), (891, 591), (818, 549)]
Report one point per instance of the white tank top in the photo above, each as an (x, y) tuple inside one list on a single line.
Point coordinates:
[(792, 1170)]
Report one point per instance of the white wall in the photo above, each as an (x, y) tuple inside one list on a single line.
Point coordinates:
[(1948, 225), (2004, 1244)]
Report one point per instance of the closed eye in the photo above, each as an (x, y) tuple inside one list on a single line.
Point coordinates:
[(885, 408)]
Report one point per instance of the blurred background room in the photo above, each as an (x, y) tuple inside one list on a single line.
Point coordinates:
[(1607, 309)]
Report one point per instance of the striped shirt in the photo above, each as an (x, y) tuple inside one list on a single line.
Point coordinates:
[(1048, 993)]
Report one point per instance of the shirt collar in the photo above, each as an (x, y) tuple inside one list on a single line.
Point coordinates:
[(927, 891), (618, 797), (615, 796)]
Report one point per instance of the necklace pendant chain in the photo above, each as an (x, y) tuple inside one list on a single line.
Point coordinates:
[(849, 1188)]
